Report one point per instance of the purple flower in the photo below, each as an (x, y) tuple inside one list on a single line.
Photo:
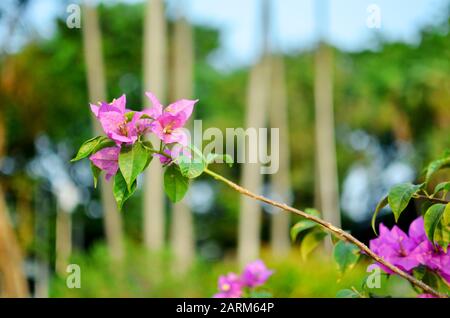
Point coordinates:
[(434, 258), (395, 247), (255, 274), (408, 252), (116, 123), (417, 231), (107, 160), (164, 159), (230, 286), (169, 122)]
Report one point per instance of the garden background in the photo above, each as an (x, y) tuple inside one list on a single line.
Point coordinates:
[(354, 120)]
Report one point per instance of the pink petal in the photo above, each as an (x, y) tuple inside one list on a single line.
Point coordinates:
[(417, 231), (184, 106), (94, 109), (177, 135), (120, 103), (157, 109), (107, 160), (110, 120)]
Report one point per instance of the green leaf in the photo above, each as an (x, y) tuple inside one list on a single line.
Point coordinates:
[(435, 166), (442, 232), (132, 161), (346, 255), (347, 293), (310, 242), (175, 184), (145, 116), (260, 294), (399, 197), (428, 276), (443, 186), (436, 223), (313, 212), (380, 205), (95, 173), (150, 151), (192, 167), (129, 116), (212, 157), (301, 226), (88, 147), (120, 190)]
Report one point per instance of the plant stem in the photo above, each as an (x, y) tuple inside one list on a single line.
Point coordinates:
[(435, 200), (331, 228)]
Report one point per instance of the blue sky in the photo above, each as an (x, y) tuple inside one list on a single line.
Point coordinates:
[(294, 22)]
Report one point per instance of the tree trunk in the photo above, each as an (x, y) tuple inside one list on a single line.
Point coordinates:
[(63, 240), (257, 104), (325, 137), (250, 210), (280, 181), (13, 282), (182, 230), (97, 92), (155, 68)]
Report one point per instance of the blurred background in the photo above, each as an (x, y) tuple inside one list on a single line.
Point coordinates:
[(359, 89)]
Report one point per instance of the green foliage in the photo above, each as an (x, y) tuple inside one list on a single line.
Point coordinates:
[(437, 224), (95, 173), (145, 274), (132, 161), (91, 146), (304, 224), (301, 226), (212, 157), (311, 240), (399, 197), (347, 293), (443, 186), (260, 294), (435, 166), (380, 205), (121, 191), (192, 167), (346, 255), (175, 184), (430, 278)]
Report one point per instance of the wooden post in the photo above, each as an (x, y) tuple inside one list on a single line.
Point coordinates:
[(155, 68), (182, 229), (97, 92)]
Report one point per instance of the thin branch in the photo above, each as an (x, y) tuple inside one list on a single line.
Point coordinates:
[(435, 200), (331, 228)]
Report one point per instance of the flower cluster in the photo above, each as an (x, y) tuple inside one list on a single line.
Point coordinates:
[(232, 285), (408, 251), (125, 127)]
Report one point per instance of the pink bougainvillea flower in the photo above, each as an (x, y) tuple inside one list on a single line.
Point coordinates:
[(434, 258), (107, 160), (164, 159), (169, 122), (416, 231), (117, 125), (255, 274), (412, 250), (230, 286), (395, 247)]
